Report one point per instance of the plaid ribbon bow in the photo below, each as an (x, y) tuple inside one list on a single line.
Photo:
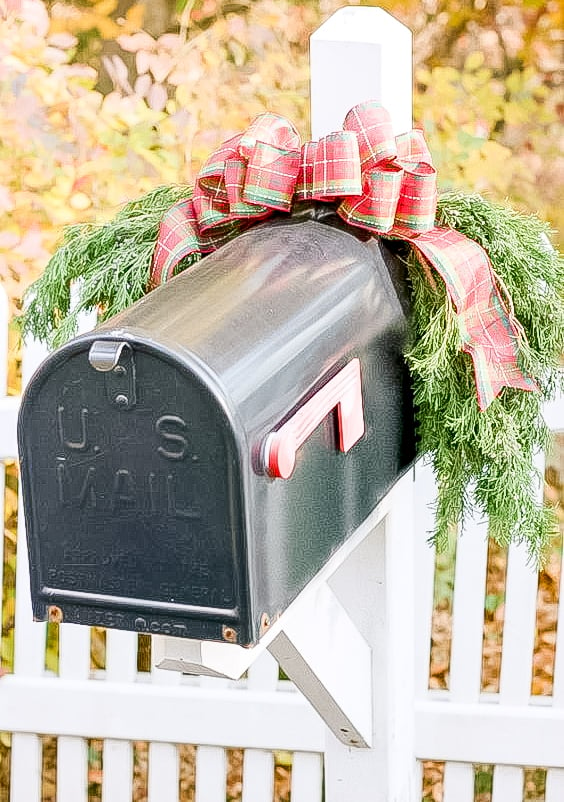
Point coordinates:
[(386, 184)]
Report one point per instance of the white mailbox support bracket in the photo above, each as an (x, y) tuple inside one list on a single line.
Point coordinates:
[(317, 645), (348, 640)]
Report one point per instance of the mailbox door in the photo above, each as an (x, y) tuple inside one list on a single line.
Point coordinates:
[(135, 518)]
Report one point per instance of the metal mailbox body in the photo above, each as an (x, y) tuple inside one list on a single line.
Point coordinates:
[(142, 444)]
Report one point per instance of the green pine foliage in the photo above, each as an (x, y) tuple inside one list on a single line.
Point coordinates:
[(483, 460)]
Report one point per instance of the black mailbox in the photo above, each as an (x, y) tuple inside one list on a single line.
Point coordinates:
[(192, 463)]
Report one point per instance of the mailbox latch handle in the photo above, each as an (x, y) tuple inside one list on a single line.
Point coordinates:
[(343, 391), (114, 358), (104, 354)]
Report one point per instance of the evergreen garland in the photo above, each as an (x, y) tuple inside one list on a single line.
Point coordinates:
[(485, 460), (111, 261), (481, 460)]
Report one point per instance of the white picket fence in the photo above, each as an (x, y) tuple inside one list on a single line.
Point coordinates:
[(460, 726), (507, 730)]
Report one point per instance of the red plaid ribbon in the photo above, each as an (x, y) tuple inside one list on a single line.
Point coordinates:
[(386, 184)]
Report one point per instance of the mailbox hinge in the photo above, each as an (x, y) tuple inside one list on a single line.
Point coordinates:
[(115, 359)]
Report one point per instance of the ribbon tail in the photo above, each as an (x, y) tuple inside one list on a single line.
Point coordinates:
[(489, 334), (492, 376)]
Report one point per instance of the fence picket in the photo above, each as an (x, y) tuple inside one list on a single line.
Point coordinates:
[(424, 574), (211, 774), (517, 657), (72, 752), (121, 656), (258, 765), (33, 355), (74, 651), (29, 636), (307, 777), (518, 628), (466, 650), (117, 763), (507, 784), (117, 771), (458, 783), (468, 612), (258, 775), (163, 777), (29, 660), (4, 318), (72, 769), (554, 791), (25, 780)]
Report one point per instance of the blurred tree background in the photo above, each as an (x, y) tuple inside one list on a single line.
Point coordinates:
[(101, 100)]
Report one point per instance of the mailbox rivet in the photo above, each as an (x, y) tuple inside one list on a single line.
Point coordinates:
[(229, 634), (121, 400), (55, 614), (119, 370)]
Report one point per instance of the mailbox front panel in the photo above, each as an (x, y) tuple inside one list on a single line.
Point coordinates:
[(136, 473)]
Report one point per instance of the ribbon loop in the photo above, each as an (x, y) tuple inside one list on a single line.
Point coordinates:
[(336, 167), (373, 126), (271, 177), (417, 203), (412, 148), (385, 184), (211, 177), (269, 129), (376, 209)]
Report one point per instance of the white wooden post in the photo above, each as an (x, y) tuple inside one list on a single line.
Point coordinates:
[(360, 53), (363, 53)]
